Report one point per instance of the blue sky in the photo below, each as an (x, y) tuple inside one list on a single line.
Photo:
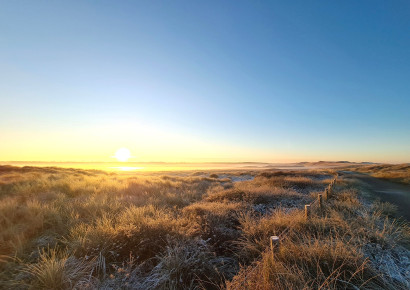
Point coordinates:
[(205, 80)]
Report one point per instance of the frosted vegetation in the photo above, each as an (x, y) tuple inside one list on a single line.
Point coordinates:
[(79, 229), (394, 172)]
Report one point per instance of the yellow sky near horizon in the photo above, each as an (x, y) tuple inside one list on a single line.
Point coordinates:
[(149, 144), (98, 141)]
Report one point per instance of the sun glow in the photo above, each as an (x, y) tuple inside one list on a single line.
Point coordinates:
[(122, 154)]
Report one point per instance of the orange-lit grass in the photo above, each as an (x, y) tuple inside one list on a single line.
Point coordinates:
[(174, 231), (396, 172)]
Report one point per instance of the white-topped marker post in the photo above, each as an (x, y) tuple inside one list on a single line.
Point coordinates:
[(274, 245)]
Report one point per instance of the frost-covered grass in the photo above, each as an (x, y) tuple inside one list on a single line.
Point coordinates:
[(395, 172), (79, 229)]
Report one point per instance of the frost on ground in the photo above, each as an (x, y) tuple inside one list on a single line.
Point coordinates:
[(394, 262), (65, 229)]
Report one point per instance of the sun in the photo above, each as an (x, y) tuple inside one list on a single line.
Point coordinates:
[(122, 154)]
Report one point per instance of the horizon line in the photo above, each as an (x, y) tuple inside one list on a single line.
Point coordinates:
[(203, 162)]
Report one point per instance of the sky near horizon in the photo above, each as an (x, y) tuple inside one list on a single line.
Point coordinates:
[(272, 81)]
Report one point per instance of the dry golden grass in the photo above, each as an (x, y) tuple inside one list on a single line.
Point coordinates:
[(56, 269), (71, 229), (317, 264), (396, 172), (323, 252)]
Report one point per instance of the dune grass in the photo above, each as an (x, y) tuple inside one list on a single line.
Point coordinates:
[(72, 229), (395, 172)]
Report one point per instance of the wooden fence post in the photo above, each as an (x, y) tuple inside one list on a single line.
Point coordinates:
[(326, 194), (319, 196), (274, 245), (307, 211)]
